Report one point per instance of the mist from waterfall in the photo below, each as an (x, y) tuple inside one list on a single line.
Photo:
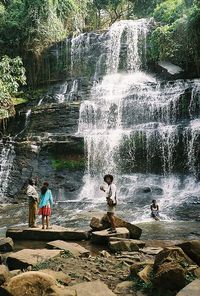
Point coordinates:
[(128, 109)]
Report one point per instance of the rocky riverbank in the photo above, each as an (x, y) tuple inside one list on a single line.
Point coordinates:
[(122, 264)]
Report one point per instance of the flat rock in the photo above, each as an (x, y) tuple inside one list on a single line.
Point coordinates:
[(120, 246), (96, 288), (29, 257), (55, 233), (193, 289), (6, 244), (138, 242), (151, 250), (75, 249), (102, 237)]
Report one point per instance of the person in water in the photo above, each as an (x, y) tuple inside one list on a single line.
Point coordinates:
[(155, 210), (45, 204), (33, 202), (111, 198)]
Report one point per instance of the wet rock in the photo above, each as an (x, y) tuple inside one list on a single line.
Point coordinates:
[(34, 283), (173, 255), (135, 232), (56, 232), (4, 274), (170, 275), (75, 249), (29, 257), (193, 289), (192, 249), (96, 288), (120, 246), (6, 244), (102, 237)]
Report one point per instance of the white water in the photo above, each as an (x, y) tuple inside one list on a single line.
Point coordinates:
[(131, 104)]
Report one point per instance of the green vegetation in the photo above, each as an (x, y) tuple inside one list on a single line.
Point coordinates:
[(12, 75), (71, 165)]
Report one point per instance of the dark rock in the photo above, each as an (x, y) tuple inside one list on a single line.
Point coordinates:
[(6, 244), (192, 249)]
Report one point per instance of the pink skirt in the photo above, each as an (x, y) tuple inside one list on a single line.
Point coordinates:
[(45, 211)]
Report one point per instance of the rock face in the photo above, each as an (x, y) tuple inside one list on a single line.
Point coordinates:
[(56, 232), (102, 237), (75, 249), (6, 244), (29, 257), (4, 274), (96, 288), (193, 289), (32, 283), (103, 223), (192, 249)]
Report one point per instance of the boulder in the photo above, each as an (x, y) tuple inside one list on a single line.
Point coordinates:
[(120, 246), (145, 273), (193, 289), (96, 288), (102, 237), (59, 276), (96, 225), (75, 249), (6, 244), (135, 232), (173, 255), (55, 233), (4, 274), (170, 275), (192, 249), (29, 257), (35, 283)]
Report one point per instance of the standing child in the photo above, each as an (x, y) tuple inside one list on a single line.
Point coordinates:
[(45, 204)]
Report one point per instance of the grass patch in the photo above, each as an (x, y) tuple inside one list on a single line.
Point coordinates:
[(71, 165)]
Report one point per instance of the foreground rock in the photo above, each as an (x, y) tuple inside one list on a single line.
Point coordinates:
[(59, 276), (34, 283), (192, 249), (29, 257), (103, 223), (6, 244), (120, 246), (57, 232), (96, 288), (75, 249), (4, 274), (102, 237), (193, 289)]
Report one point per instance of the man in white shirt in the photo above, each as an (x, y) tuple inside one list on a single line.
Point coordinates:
[(110, 190), (33, 202)]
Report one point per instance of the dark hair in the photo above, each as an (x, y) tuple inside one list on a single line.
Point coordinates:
[(46, 184), (31, 182), (153, 200), (43, 190), (108, 176)]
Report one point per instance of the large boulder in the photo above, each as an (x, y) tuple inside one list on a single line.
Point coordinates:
[(29, 257), (96, 288), (102, 237), (193, 289), (6, 244), (173, 255), (170, 275), (4, 274), (192, 249), (73, 248), (35, 283), (134, 231)]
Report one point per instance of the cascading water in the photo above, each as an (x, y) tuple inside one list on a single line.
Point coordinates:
[(131, 124)]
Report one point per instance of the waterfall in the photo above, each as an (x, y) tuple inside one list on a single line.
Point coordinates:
[(131, 123)]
